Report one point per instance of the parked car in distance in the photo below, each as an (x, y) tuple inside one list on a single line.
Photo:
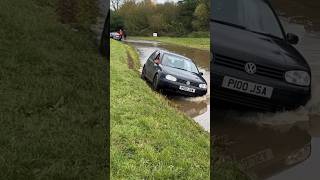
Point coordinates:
[(115, 36), (174, 73), (254, 63)]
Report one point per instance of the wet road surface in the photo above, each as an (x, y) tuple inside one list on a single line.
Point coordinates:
[(286, 145), (197, 108)]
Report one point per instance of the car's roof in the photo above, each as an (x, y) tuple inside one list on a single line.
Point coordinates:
[(171, 53)]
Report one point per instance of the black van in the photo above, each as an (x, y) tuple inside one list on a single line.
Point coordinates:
[(253, 61)]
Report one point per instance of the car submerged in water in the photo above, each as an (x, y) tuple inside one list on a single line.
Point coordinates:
[(253, 61), (174, 73)]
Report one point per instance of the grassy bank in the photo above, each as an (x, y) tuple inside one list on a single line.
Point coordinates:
[(199, 43), (150, 139), (52, 100)]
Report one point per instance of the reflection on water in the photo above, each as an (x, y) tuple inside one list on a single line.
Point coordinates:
[(300, 12), (197, 108), (264, 150), (280, 146)]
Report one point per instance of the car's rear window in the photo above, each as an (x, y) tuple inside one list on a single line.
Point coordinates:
[(255, 15), (179, 63)]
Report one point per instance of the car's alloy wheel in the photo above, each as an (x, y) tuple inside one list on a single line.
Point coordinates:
[(155, 84)]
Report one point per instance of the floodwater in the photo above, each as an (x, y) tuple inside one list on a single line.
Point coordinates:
[(286, 145), (197, 108)]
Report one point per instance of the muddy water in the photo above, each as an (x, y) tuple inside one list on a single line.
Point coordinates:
[(281, 146), (197, 108)]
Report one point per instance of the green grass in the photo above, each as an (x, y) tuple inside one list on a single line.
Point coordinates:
[(198, 43), (149, 138), (52, 100)]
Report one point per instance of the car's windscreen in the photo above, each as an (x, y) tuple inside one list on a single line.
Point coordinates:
[(179, 63), (253, 15)]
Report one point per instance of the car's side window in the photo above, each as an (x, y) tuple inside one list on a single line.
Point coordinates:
[(153, 55), (157, 56)]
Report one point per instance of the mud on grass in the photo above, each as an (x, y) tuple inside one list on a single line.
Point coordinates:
[(133, 58)]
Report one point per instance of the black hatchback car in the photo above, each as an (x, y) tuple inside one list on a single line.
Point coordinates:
[(253, 61), (174, 73)]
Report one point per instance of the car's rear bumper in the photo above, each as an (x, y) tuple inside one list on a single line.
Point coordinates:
[(116, 38), (172, 86), (285, 95)]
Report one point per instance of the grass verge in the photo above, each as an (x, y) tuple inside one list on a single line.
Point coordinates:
[(150, 139), (52, 101), (198, 43)]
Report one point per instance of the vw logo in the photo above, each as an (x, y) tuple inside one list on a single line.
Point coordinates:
[(250, 68), (188, 82)]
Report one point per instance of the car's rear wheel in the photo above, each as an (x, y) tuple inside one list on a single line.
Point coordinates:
[(155, 82), (143, 73)]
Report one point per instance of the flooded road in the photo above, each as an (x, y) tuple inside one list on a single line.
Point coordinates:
[(197, 108), (286, 145)]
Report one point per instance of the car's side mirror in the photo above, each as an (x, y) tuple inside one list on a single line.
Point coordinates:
[(201, 73), (292, 38)]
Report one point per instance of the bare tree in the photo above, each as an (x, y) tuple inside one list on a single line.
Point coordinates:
[(116, 4)]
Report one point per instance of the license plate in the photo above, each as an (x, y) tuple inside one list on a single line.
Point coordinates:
[(247, 87), (258, 158), (184, 88)]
